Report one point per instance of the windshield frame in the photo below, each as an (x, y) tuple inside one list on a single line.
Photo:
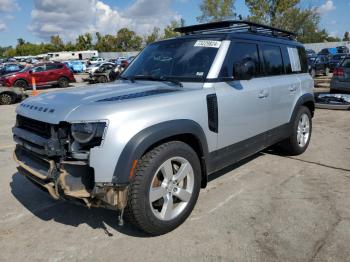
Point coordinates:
[(214, 62)]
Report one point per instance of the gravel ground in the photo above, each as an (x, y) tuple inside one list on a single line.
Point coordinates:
[(267, 208)]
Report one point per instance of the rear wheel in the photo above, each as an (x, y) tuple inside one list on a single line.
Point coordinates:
[(102, 79), (21, 83), (298, 142), (63, 82), (7, 99), (165, 188)]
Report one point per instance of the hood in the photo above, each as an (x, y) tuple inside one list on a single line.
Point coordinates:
[(56, 106), (11, 74)]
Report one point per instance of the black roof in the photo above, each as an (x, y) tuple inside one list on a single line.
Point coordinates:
[(236, 26)]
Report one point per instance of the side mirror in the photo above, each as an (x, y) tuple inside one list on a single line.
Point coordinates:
[(244, 70), (30, 71)]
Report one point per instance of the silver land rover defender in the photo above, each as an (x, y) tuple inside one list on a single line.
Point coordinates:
[(185, 108)]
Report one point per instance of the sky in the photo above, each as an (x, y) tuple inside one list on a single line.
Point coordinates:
[(36, 20)]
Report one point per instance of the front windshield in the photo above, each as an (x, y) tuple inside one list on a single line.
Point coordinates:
[(181, 59)]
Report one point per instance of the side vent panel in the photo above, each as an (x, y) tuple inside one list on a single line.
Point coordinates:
[(212, 105)]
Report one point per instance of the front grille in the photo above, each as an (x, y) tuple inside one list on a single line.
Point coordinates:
[(40, 128)]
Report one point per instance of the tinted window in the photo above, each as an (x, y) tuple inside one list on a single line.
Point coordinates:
[(286, 60), (238, 54), (39, 69), (272, 60), (346, 63), (53, 66), (303, 59)]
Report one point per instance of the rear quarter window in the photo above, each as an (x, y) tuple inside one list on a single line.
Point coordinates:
[(345, 63)]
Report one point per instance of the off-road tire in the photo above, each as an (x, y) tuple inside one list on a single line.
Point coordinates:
[(63, 82), (138, 211), (102, 79), (21, 83), (290, 146), (7, 98)]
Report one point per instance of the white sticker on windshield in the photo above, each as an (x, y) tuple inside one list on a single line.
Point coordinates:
[(294, 59), (208, 43)]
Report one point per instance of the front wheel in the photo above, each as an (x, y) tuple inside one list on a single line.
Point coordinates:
[(165, 188), (301, 126), (7, 99)]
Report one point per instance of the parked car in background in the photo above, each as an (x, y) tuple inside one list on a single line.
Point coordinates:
[(76, 66), (328, 51), (45, 74), (105, 73), (120, 60), (335, 60), (320, 66), (92, 68), (10, 68), (310, 53), (96, 60), (342, 49), (340, 82)]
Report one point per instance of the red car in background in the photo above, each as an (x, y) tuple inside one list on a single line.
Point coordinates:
[(45, 74)]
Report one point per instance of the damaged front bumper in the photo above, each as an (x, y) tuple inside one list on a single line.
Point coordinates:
[(69, 180)]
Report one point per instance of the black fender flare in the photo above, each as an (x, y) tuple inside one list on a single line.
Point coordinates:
[(305, 98), (143, 140)]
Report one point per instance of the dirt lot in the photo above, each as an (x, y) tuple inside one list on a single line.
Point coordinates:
[(269, 208)]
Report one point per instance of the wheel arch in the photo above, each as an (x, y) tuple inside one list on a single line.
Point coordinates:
[(21, 79), (187, 131), (307, 100)]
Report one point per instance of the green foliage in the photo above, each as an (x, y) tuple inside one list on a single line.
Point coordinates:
[(128, 40), (153, 37), (287, 14), (216, 10), (169, 30), (346, 36)]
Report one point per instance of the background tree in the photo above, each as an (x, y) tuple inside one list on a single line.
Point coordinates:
[(128, 40), (346, 36), (84, 42), (153, 37), (216, 10), (57, 43), (169, 30), (288, 15)]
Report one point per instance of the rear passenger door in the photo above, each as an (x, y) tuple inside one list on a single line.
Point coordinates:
[(284, 83), (53, 72), (243, 104)]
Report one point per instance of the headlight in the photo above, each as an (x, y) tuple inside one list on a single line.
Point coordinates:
[(86, 132)]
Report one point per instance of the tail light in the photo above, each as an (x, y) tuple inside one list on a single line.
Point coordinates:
[(338, 72)]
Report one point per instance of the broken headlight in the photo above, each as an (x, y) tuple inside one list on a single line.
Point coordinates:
[(85, 133)]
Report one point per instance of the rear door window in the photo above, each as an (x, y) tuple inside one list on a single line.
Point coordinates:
[(53, 66), (346, 63), (273, 62)]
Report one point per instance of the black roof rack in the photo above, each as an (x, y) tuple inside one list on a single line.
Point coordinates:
[(231, 26)]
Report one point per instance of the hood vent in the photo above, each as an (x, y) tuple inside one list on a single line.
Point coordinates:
[(137, 95), (37, 108)]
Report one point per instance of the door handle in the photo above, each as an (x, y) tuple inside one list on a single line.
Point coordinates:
[(293, 89), (263, 94)]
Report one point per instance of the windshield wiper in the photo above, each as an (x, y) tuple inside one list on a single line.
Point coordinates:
[(162, 79)]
